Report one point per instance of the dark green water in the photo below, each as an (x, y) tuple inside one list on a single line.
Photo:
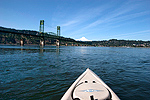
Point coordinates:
[(31, 72)]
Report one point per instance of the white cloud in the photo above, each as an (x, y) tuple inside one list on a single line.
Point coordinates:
[(69, 23), (83, 39), (134, 33), (112, 20)]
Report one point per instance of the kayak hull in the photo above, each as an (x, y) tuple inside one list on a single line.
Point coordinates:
[(89, 86)]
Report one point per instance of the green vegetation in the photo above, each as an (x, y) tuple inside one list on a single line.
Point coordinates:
[(120, 43)]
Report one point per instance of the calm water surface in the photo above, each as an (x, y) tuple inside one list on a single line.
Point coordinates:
[(31, 72)]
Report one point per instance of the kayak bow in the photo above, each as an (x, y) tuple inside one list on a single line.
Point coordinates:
[(89, 87)]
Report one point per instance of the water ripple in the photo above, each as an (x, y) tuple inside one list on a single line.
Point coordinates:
[(32, 72)]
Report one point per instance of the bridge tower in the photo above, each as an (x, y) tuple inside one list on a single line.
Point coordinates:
[(58, 34), (58, 30), (41, 29)]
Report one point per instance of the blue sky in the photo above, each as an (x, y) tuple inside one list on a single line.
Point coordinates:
[(93, 19)]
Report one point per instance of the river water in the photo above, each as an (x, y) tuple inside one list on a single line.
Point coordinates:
[(33, 72)]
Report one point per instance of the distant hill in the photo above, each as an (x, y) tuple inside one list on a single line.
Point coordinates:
[(120, 43)]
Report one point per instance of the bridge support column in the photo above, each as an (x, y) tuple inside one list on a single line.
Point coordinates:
[(42, 43), (21, 42), (66, 44), (57, 43)]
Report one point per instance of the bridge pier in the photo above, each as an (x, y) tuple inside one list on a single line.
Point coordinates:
[(66, 44), (21, 42), (42, 43), (57, 43)]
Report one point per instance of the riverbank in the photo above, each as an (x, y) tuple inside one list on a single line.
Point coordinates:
[(71, 45)]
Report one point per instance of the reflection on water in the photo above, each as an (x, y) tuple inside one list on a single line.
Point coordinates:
[(34, 72), (57, 49)]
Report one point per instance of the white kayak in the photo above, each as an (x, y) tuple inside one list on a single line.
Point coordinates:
[(89, 87)]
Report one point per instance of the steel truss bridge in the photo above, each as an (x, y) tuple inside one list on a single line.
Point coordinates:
[(40, 35)]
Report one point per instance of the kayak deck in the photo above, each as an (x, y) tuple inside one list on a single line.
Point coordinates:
[(89, 87)]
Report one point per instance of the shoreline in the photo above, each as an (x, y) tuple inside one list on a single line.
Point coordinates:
[(70, 45)]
